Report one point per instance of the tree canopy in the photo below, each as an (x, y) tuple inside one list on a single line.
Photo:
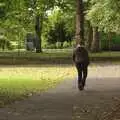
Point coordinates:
[(57, 19), (105, 14)]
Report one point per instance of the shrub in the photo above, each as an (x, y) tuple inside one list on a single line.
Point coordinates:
[(66, 44), (4, 43), (50, 46), (73, 43), (59, 45)]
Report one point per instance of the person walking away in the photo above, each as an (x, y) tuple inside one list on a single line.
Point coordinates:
[(81, 60)]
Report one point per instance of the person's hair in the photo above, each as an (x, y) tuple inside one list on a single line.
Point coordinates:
[(78, 45)]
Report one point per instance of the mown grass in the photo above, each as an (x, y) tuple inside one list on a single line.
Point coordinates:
[(106, 54), (61, 56), (45, 54), (54, 53), (17, 83)]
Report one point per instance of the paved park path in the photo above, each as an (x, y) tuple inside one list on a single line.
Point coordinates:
[(99, 101)]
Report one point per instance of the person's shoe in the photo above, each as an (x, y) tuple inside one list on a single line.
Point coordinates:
[(83, 83), (80, 86)]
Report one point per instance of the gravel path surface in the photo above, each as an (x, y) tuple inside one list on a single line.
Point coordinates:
[(99, 100)]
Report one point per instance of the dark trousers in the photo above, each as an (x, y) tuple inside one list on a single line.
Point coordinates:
[(82, 73)]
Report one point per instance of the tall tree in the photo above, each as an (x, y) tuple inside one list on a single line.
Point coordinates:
[(39, 9), (38, 30), (95, 46), (79, 22), (105, 14), (89, 35)]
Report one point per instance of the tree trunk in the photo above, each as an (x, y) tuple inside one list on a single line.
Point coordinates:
[(79, 22), (89, 36), (109, 40), (38, 30), (95, 46)]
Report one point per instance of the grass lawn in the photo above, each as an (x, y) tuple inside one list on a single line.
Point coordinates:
[(61, 56), (54, 53), (19, 82)]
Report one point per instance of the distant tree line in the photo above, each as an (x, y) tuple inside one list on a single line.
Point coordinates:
[(60, 24)]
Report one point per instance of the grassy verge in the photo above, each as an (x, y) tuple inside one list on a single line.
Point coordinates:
[(17, 83), (54, 54), (53, 57)]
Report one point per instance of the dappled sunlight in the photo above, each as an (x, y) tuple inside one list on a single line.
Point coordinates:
[(111, 71), (52, 72), (17, 82), (37, 73)]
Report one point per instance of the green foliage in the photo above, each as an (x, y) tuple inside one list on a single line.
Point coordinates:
[(2, 11), (112, 44), (21, 82), (17, 17), (50, 46), (66, 44), (105, 14), (58, 27), (116, 39), (4, 43), (58, 45)]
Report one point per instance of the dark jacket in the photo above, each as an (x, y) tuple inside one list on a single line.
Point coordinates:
[(80, 55)]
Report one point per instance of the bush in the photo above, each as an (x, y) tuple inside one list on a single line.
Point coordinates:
[(66, 44), (50, 46), (114, 44), (4, 43), (59, 45), (14, 45), (73, 43)]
